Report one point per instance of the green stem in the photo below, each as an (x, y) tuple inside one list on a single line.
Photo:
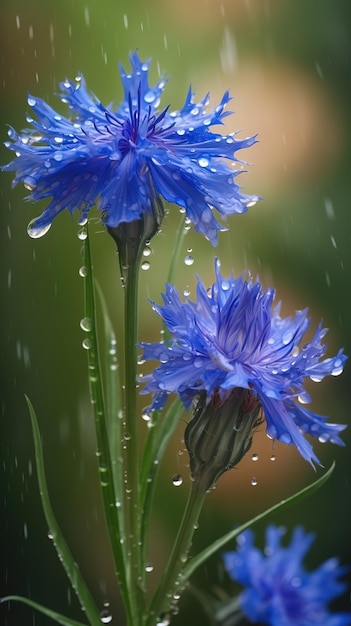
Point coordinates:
[(164, 596), (104, 456), (132, 501)]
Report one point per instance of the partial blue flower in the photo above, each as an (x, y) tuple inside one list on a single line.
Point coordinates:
[(278, 589), (122, 159), (230, 338)]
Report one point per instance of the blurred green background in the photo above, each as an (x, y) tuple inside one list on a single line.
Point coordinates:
[(287, 64)]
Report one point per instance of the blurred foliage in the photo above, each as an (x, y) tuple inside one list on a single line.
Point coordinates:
[(288, 66)]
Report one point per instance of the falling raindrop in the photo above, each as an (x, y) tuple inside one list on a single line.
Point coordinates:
[(177, 480)]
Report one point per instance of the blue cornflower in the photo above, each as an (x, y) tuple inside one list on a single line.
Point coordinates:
[(279, 591), (124, 159), (231, 339)]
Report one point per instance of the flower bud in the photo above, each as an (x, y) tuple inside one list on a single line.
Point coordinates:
[(220, 433)]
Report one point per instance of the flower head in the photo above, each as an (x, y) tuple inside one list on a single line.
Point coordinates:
[(279, 591), (123, 159), (230, 338)]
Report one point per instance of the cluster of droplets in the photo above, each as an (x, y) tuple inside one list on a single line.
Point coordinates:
[(106, 615)]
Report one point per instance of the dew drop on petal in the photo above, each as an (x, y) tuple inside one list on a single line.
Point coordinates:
[(149, 96), (35, 232)]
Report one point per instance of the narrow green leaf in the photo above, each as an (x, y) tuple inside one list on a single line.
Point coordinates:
[(222, 541), (57, 617), (62, 549)]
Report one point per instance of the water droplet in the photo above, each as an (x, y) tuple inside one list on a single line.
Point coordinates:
[(188, 260), (149, 567), (316, 379), (273, 457), (177, 480), (253, 481), (86, 343), (83, 272), (287, 337), (86, 324), (147, 251), (127, 436), (31, 101), (150, 96), (82, 234), (203, 162), (186, 292), (35, 232), (105, 616), (145, 265), (29, 183), (146, 416), (255, 457)]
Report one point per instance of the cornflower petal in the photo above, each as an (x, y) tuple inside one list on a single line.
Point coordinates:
[(278, 590), (232, 337), (122, 159)]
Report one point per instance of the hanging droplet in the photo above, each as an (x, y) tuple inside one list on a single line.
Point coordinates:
[(254, 481), (149, 567), (83, 272), (86, 343), (82, 234), (273, 457), (35, 232), (147, 251), (86, 324), (186, 292), (145, 265), (177, 480), (105, 616), (254, 457)]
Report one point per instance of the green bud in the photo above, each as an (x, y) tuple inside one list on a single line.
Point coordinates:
[(220, 433)]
